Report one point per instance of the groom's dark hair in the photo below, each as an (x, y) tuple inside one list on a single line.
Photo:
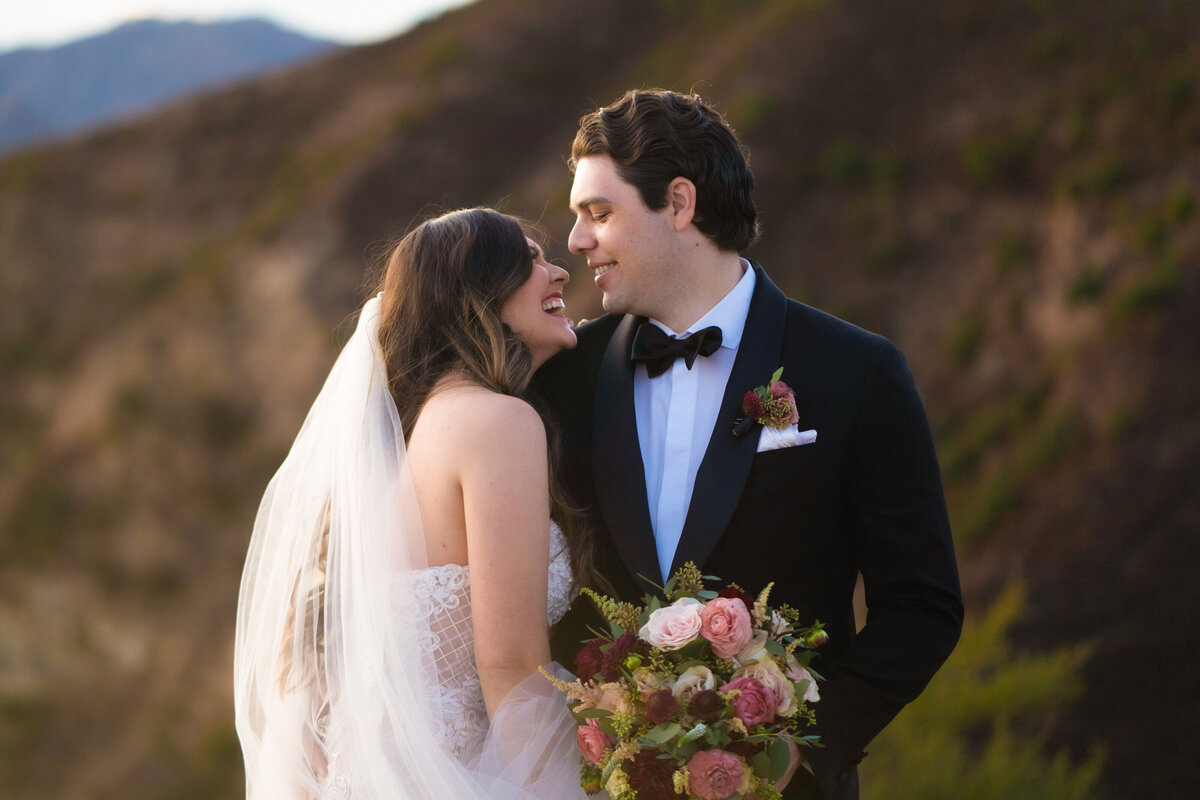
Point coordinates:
[(655, 136)]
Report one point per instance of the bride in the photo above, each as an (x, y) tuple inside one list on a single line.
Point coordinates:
[(403, 568)]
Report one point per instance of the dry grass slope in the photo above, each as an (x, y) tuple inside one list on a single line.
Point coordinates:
[(1005, 189)]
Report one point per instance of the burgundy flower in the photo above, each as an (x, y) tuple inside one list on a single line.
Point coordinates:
[(707, 705), (735, 592), (650, 776), (661, 706), (625, 645), (745, 750), (752, 404), (588, 660)]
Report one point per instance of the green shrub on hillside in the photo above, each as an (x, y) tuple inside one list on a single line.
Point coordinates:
[(1097, 178), (844, 161), (1037, 445), (980, 729), (23, 723), (1087, 286), (1156, 287), (966, 337), (990, 158), (1012, 249), (1180, 204)]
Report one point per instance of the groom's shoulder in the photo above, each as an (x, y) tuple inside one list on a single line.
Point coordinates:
[(814, 327)]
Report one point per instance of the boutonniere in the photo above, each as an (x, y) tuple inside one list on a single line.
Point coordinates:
[(772, 406)]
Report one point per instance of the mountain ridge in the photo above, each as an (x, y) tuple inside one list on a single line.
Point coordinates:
[(133, 67)]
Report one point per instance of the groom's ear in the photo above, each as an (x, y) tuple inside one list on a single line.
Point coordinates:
[(681, 200)]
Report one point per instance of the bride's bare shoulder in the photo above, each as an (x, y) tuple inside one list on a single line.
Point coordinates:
[(473, 414)]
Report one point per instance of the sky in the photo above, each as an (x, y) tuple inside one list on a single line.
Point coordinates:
[(44, 24)]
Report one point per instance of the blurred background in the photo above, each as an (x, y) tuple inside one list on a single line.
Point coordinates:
[(1007, 190)]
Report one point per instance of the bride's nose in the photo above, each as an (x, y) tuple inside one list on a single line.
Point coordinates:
[(559, 275)]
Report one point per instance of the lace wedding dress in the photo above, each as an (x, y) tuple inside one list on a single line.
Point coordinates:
[(444, 601)]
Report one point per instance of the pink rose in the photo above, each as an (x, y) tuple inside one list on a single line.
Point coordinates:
[(768, 674), (756, 702), (714, 774), (592, 741), (727, 626), (780, 389), (672, 627)]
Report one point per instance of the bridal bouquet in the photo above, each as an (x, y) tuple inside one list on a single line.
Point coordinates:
[(698, 697)]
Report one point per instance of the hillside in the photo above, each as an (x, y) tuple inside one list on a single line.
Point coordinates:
[(55, 91), (1007, 190)]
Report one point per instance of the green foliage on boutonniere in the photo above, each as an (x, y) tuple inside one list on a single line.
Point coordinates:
[(772, 405)]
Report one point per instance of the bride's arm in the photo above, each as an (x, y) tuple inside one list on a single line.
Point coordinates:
[(504, 478)]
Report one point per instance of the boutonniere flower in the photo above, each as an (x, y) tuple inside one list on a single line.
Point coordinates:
[(772, 406)]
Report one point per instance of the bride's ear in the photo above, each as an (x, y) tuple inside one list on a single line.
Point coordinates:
[(681, 200)]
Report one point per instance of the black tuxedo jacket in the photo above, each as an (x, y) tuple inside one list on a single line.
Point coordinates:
[(865, 497)]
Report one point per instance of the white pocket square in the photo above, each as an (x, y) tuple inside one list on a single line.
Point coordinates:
[(776, 439)]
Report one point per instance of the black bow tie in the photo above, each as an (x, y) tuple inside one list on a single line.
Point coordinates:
[(657, 350)]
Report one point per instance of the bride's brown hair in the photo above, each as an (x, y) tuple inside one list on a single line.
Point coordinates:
[(444, 286)]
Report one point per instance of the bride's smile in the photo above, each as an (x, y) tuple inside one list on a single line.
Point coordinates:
[(536, 311)]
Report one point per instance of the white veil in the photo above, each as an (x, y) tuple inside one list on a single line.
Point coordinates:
[(331, 677)]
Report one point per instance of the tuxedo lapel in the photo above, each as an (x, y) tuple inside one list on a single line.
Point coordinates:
[(618, 471), (726, 464)]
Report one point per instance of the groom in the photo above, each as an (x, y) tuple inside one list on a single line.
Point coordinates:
[(663, 204)]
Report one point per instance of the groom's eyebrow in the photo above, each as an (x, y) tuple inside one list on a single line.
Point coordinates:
[(587, 203)]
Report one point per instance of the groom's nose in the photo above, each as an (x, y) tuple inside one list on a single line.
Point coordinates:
[(580, 240)]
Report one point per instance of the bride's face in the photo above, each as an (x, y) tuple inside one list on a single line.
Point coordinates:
[(535, 311)]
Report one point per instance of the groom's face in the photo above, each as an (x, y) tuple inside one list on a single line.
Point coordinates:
[(629, 248)]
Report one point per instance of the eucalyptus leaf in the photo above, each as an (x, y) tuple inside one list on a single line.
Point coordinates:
[(661, 734), (707, 594), (774, 647), (761, 764), (777, 375), (593, 712), (780, 756)]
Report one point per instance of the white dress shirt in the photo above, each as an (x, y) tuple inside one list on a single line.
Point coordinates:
[(676, 412)]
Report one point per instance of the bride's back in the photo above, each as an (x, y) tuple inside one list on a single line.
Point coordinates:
[(460, 425)]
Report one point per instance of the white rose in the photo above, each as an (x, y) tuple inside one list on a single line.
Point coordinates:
[(672, 627), (797, 673), (755, 651), (648, 682), (692, 680), (769, 674)]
